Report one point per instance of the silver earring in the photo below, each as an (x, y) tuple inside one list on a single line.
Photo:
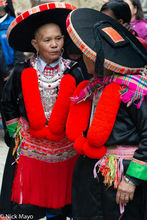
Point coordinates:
[(62, 52), (37, 56)]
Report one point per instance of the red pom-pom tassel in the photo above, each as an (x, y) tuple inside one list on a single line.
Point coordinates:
[(60, 110), (105, 115), (93, 152), (79, 143), (32, 99), (78, 117)]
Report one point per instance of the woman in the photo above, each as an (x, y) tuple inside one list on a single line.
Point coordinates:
[(121, 12), (107, 121), (118, 10), (39, 179), (138, 23)]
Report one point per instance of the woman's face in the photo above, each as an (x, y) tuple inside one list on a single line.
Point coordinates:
[(90, 65), (132, 8), (110, 13), (48, 42)]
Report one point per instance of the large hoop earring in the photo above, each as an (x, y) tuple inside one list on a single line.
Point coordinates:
[(62, 52), (37, 56)]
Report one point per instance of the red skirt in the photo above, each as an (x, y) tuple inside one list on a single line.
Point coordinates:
[(43, 176)]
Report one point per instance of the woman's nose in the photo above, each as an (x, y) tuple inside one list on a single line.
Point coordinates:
[(53, 43)]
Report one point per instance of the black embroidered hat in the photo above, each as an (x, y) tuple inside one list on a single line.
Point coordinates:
[(21, 30), (105, 41)]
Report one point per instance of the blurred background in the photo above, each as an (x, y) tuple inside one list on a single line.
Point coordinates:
[(21, 6)]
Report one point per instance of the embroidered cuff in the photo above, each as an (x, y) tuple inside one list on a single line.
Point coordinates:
[(11, 126), (138, 169)]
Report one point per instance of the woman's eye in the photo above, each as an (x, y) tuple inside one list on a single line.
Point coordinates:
[(58, 38)]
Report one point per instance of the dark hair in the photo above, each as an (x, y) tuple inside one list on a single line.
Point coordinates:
[(139, 14), (9, 8), (120, 9)]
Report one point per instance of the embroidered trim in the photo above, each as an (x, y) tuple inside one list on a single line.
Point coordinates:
[(113, 34), (12, 121), (139, 162), (134, 87), (111, 165), (40, 149), (18, 142), (138, 169)]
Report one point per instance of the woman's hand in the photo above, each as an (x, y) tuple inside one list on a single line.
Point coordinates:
[(125, 192)]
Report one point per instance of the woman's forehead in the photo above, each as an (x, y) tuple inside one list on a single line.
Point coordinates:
[(49, 29)]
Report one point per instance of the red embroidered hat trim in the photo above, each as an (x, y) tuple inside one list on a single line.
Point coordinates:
[(37, 9), (78, 41)]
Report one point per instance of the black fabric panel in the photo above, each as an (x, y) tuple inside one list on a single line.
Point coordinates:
[(93, 200)]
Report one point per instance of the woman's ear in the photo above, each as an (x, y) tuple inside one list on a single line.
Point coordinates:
[(35, 44), (120, 21)]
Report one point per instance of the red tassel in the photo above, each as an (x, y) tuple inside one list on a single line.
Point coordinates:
[(94, 152), (82, 147), (79, 143), (78, 117), (54, 137), (46, 133), (41, 133), (105, 115), (32, 99), (60, 110)]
